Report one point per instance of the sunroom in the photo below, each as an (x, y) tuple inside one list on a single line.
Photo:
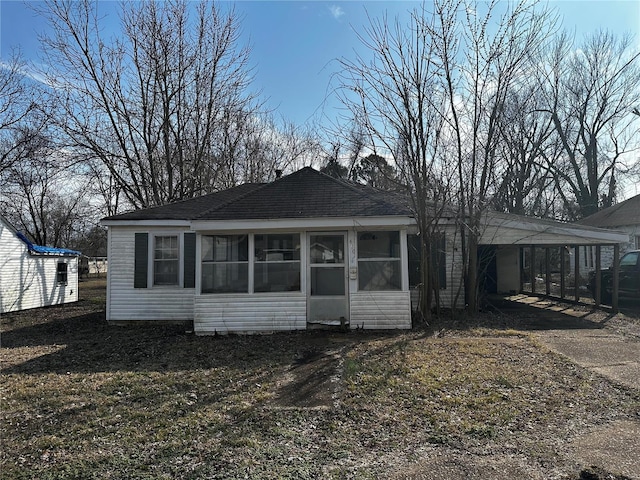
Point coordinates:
[(291, 280)]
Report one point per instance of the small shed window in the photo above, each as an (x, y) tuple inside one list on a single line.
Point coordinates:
[(61, 273)]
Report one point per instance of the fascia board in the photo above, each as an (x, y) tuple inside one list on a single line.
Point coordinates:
[(146, 223), (327, 223)]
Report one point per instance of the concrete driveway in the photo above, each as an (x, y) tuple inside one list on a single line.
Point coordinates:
[(608, 353), (606, 344)]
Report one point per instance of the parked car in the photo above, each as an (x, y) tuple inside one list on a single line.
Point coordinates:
[(628, 279)]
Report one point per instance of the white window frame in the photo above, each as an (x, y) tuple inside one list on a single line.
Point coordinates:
[(254, 262), (152, 259), (381, 260), (247, 262)]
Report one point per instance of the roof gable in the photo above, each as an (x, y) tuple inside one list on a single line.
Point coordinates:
[(618, 215), (37, 249)]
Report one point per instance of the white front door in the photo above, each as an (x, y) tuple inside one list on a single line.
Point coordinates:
[(327, 279)]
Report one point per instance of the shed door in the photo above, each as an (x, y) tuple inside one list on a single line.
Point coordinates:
[(327, 279)]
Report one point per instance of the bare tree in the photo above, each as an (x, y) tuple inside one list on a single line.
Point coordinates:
[(391, 99), (259, 146), (43, 196), (591, 91), (331, 162), (523, 183), (20, 117), (485, 58), (435, 96), (155, 104)]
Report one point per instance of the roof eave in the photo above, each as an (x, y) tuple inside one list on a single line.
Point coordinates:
[(303, 223), (145, 223), (588, 235)]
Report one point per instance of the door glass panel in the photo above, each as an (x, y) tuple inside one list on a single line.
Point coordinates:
[(327, 249), (327, 281)]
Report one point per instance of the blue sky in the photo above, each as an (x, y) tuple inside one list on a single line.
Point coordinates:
[(295, 43)]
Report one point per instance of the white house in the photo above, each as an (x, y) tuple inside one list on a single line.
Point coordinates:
[(32, 276), (305, 249), (623, 217)]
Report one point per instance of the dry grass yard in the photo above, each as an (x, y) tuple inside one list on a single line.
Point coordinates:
[(81, 399)]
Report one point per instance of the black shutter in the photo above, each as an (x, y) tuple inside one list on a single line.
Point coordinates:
[(141, 262), (189, 260)]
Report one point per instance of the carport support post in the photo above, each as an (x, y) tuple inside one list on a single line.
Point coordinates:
[(562, 272), (521, 269), (598, 279), (532, 269), (616, 272), (547, 268), (576, 272)]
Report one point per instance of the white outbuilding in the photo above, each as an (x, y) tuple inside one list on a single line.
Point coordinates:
[(34, 276)]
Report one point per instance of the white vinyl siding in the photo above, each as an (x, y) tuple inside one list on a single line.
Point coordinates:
[(454, 268), (260, 312), (452, 273), (126, 303), (31, 281), (380, 310), (232, 312)]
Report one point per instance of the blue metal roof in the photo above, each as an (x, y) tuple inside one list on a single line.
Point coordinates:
[(46, 250)]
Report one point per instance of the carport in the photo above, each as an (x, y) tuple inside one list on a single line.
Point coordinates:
[(526, 254)]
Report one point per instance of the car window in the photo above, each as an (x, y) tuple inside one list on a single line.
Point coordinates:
[(630, 259)]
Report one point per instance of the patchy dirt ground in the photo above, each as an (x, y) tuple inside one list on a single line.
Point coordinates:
[(470, 398)]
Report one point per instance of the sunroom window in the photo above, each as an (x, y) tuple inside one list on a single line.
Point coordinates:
[(277, 263), (379, 261), (225, 264)]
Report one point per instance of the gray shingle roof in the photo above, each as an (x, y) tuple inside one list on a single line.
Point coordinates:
[(187, 209), (306, 193), (621, 214)]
